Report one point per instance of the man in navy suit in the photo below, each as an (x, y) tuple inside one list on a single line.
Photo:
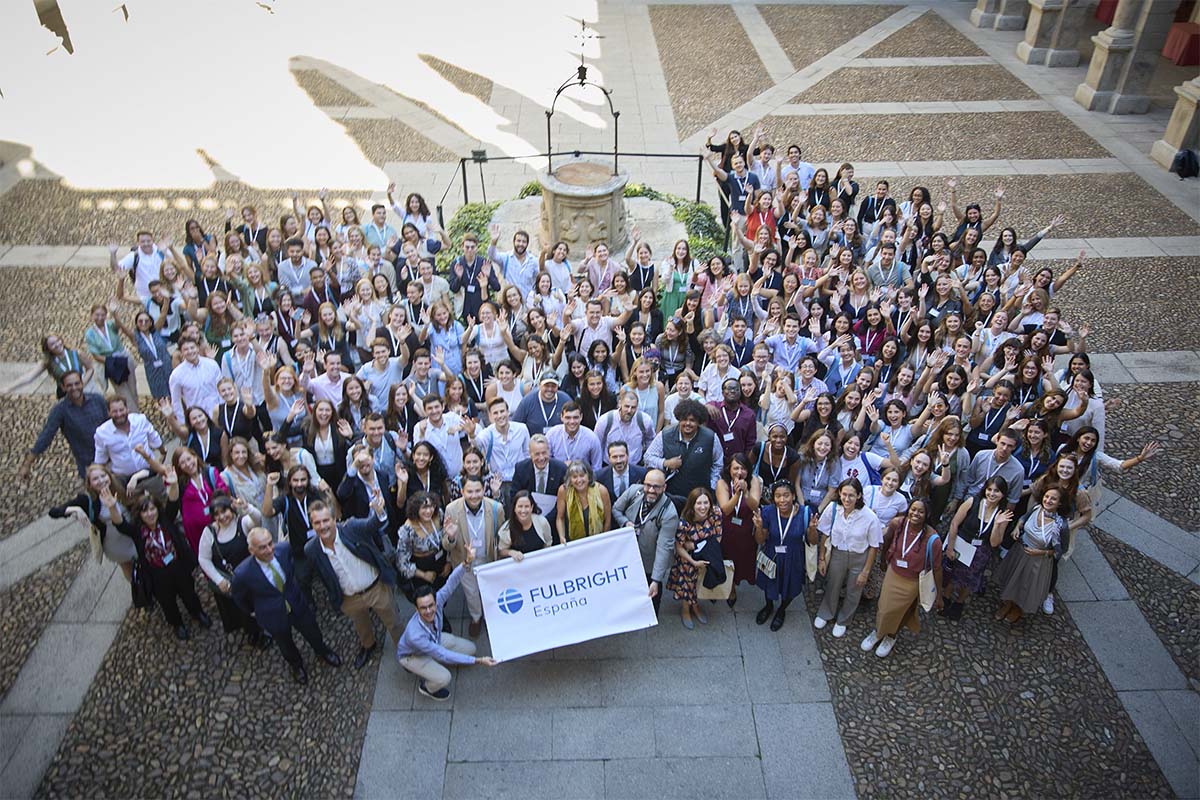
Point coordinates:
[(354, 569), (541, 475), (357, 489), (266, 587), (619, 475)]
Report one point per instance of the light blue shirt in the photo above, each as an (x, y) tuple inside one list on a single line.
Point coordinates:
[(420, 639), (519, 272), (381, 381)]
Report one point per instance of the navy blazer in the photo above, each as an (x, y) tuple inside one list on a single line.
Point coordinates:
[(257, 595), (523, 476), (360, 538), (605, 478), (355, 502)]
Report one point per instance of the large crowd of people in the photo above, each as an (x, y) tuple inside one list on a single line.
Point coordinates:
[(860, 400)]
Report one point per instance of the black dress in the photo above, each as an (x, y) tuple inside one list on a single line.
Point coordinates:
[(226, 556), (234, 422)]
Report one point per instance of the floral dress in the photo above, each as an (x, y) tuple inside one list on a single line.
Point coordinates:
[(682, 580)]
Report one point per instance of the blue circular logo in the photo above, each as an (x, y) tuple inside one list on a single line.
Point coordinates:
[(510, 601)]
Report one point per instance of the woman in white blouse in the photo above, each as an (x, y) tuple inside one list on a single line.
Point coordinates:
[(850, 540)]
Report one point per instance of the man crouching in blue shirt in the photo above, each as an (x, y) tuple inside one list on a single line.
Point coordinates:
[(425, 648)]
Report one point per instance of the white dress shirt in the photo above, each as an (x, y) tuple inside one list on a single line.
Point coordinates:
[(354, 574), (855, 533), (115, 447), (195, 385)]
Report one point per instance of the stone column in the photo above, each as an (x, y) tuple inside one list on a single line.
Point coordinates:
[(1125, 57), (984, 13), (1052, 34), (1183, 130), (1010, 15)]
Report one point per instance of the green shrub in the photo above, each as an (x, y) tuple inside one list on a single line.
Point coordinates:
[(531, 189), (706, 237), (471, 218)]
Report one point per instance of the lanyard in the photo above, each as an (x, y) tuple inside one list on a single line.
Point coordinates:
[(215, 287), (287, 323), (303, 509), (106, 333), (645, 273), (476, 385), (151, 345), (984, 528), (227, 419), (775, 471), (905, 545), (553, 410), (996, 468), (989, 418), (729, 423), (819, 474), (783, 529), (201, 489), (205, 444), (870, 339), (159, 537), (475, 530)]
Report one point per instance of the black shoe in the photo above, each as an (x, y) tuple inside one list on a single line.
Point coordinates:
[(331, 658), (777, 623), (181, 633), (439, 695), (299, 674), (731, 601), (765, 614), (364, 655), (956, 611), (204, 620)]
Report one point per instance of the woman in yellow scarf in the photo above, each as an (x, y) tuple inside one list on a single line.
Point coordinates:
[(584, 507)]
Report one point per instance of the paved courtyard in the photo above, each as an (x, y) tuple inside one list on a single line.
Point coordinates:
[(1100, 700)]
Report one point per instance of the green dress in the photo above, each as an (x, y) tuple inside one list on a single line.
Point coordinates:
[(674, 290)]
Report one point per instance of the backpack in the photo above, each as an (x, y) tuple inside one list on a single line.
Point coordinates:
[(1185, 164)]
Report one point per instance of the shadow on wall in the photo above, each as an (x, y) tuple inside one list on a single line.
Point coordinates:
[(129, 96)]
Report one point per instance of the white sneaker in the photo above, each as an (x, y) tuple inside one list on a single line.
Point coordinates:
[(870, 642), (1048, 604), (839, 630), (819, 623), (885, 646)]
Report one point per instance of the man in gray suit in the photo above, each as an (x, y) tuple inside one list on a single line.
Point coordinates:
[(652, 514)]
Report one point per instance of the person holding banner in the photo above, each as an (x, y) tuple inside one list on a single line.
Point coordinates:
[(700, 520), (781, 530), (426, 645), (480, 519), (907, 542), (654, 520), (584, 507), (526, 531)]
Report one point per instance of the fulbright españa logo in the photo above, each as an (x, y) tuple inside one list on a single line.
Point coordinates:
[(510, 601)]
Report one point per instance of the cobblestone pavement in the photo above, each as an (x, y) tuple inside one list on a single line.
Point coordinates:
[(166, 718), (1169, 601), (927, 35), (918, 84), (943, 137), (703, 84), (26, 607), (21, 419), (975, 708), (971, 708), (1166, 413)]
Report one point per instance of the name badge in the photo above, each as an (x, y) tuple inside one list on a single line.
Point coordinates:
[(157, 363), (900, 562), (977, 542), (727, 437), (168, 558), (226, 343), (471, 288), (780, 549), (735, 520)]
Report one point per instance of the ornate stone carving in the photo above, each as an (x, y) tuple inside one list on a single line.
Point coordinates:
[(582, 203)]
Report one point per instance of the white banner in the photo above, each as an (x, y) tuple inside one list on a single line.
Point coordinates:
[(565, 594)]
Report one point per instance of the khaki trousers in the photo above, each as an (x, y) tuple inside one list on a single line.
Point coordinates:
[(434, 674), (843, 571), (358, 607)]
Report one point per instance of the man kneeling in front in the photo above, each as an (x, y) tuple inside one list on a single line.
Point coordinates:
[(425, 648)]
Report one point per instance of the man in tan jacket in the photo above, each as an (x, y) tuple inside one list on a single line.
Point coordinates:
[(476, 522)]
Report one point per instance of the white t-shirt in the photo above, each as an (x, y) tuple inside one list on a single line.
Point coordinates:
[(854, 467), (148, 267)]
